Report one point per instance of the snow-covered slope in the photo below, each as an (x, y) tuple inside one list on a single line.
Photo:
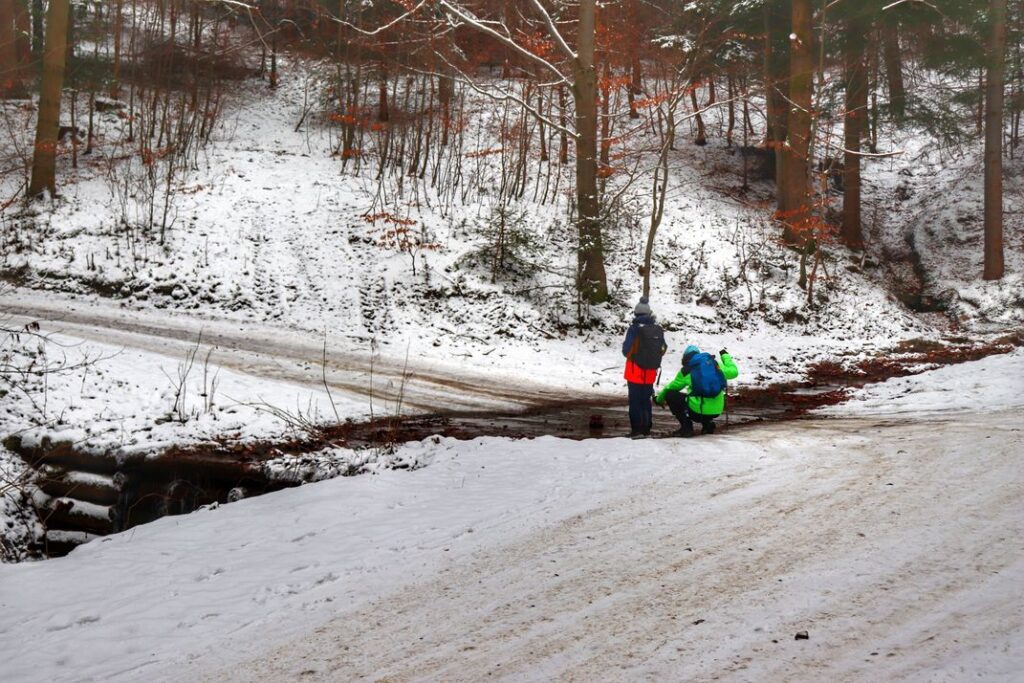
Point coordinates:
[(893, 541), (270, 229), (926, 226), (19, 526), (994, 383)]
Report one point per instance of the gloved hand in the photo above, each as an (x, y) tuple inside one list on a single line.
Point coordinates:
[(723, 352), (656, 401)]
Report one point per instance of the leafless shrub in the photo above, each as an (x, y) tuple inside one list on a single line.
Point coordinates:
[(209, 388), (304, 420), (180, 410), (29, 358)]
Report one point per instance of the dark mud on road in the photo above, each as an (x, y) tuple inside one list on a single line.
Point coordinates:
[(828, 383), (583, 419)]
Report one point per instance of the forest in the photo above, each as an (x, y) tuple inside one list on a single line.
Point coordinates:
[(592, 101), (527, 340)]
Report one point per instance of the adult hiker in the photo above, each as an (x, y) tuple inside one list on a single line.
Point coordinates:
[(643, 348), (704, 379)]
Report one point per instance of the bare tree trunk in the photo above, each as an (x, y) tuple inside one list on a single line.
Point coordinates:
[(592, 281), (1018, 79), (131, 88), (444, 95), (563, 138), (853, 129), (70, 79), (747, 129), (115, 83), (659, 191), (606, 120), (92, 115), (776, 65), (196, 26), (635, 85), (44, 159), (894, 69), (634, 89), (796, 207), (541, 128), (701, 138), (8, 48), (979, 111), (37, 29), (383, 115), (994, 266), (273, 60), (74, 129), (23, 28), (873, 94), (730, 95)]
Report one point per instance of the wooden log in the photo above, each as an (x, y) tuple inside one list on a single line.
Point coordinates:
[(58, 542), (62, 454), (98, 489), (69, 514)]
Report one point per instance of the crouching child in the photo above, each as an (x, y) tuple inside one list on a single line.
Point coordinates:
[(704, 381)]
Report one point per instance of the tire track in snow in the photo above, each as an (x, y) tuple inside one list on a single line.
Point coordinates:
[(279, 353), (264, 282)]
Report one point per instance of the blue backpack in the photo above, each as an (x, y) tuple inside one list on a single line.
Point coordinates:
[(706, 378)]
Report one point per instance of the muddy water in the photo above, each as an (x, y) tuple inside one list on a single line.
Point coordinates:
[(585, 419)]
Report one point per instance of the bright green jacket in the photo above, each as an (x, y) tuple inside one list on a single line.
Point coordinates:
[(698, 404)]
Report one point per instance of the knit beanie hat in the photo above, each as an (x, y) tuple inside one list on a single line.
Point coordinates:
[(642, 308), (689, 353)]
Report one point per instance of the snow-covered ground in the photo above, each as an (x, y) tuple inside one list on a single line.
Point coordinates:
[(891, 533), (995, 383), (117, 399), (924, 213), (270, 231)]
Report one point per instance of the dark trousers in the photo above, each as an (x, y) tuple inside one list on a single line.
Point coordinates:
[(677, 403), (641, 413)]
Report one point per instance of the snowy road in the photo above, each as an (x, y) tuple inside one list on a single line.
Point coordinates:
[(897, 546), (893, 534), (287, 354)]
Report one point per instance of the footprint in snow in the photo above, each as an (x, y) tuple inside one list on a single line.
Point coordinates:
[(330, 577), (61, 622), (209, 575)]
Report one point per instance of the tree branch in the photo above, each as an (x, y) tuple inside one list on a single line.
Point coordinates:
[(483, 26), (553, 30), (385, 27), (502, 97)]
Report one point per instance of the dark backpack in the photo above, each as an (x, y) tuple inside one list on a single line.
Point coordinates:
[(650, 347), (706, 378)]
